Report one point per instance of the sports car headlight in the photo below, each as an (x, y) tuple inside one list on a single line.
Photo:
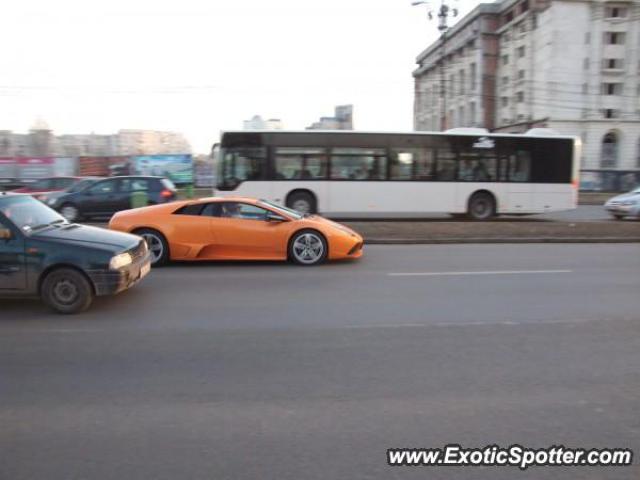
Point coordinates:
[(120, 261)]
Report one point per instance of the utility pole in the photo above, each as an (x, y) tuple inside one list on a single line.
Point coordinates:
[(443, 26)]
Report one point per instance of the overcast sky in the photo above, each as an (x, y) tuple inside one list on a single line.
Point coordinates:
[(199, 67)]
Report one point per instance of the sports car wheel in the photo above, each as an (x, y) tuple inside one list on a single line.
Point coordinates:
[(158, 247), (308, 247)]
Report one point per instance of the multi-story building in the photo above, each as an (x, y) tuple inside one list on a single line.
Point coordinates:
[(569, 65), (454, 81), (41, 142), (342, 120), (258, 123)]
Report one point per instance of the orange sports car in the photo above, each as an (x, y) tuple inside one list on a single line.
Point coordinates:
[(237, 229)]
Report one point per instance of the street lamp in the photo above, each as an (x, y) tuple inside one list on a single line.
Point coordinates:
[(443, 13)]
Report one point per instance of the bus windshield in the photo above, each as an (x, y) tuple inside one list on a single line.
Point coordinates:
[(235, 165)]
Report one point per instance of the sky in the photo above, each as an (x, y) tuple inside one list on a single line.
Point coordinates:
[(199, 67)]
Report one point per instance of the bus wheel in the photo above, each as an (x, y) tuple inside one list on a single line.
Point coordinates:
[(482, 206), (303, 202)]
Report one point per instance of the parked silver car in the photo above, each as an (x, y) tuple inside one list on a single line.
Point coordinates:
[(625, 205)]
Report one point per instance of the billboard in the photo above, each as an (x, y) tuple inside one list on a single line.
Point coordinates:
[(177, 168), (32, 168)]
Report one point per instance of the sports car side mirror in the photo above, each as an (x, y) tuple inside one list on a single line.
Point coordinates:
[(5, 234), (272, 217)]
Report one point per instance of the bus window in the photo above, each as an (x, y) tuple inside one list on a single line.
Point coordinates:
[(424, 164), (520, 166), (401, 164), (358, 164), (446, 165), (300, 164)]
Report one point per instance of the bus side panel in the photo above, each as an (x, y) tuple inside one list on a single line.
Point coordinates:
[(390, 198), (280, 191), (551, 197)]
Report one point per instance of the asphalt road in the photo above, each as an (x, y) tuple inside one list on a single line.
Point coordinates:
[(270, 371)]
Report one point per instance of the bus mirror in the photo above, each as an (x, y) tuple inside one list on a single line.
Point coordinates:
[(5, 234)]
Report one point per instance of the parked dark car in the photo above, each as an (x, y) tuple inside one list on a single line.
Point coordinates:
[(111, 195), (50, 198), (66, 264)]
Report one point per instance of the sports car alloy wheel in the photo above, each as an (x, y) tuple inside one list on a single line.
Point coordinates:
[(156, 247), (308, 248)]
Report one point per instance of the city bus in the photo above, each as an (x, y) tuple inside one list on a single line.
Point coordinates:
[(344, 174)]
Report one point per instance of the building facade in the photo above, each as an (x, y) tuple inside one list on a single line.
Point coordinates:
[(341, 120), (41, 142), (258, 123), (569, 65)]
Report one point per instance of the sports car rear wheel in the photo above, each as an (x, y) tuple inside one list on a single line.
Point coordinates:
[(308, 247)]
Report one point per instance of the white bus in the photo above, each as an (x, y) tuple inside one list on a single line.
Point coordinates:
[(345, 174)]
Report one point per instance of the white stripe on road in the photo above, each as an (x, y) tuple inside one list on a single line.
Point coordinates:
[(488, 272)]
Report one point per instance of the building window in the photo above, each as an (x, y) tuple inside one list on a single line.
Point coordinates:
[(524, 6), (462, 82), (506, 36), (472, 77), (505, 59), (585, 88), (616, 12), (520, 74), (520, 97), (472, 114), (611, 113), (587, 38), (614, 38), (521, 52), (609, 153), (585, 63), (613, 63), (505, 80), (611, 88), (504, 101), (451, 89)]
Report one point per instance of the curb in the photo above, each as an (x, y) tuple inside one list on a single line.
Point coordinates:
[(461, 240)]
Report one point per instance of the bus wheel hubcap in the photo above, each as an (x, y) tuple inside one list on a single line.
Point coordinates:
[(155, 246), (308, 248)]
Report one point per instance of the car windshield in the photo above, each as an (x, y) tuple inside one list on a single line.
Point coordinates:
[(280, 209), (28, 213)]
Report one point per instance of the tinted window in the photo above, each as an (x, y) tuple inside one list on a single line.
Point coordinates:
[(190, 210), (358, 164), (446, 162), (211, 210), (103, 187), (240, 164), (134, 185), (300, 164)]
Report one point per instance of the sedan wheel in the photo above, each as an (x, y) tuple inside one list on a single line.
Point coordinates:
[(308, 248), (67, 291)]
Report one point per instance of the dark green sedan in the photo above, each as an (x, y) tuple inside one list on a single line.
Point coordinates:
[(66, 264)]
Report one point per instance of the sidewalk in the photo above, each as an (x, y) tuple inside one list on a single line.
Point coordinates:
[(408, 232)]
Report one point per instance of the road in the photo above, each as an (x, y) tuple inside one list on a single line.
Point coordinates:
[(271, 371)]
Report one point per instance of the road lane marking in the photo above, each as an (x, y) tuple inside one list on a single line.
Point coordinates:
[(488, 272)]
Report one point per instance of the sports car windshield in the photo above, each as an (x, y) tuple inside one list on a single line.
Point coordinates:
[(285, 210), (28, 213)]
